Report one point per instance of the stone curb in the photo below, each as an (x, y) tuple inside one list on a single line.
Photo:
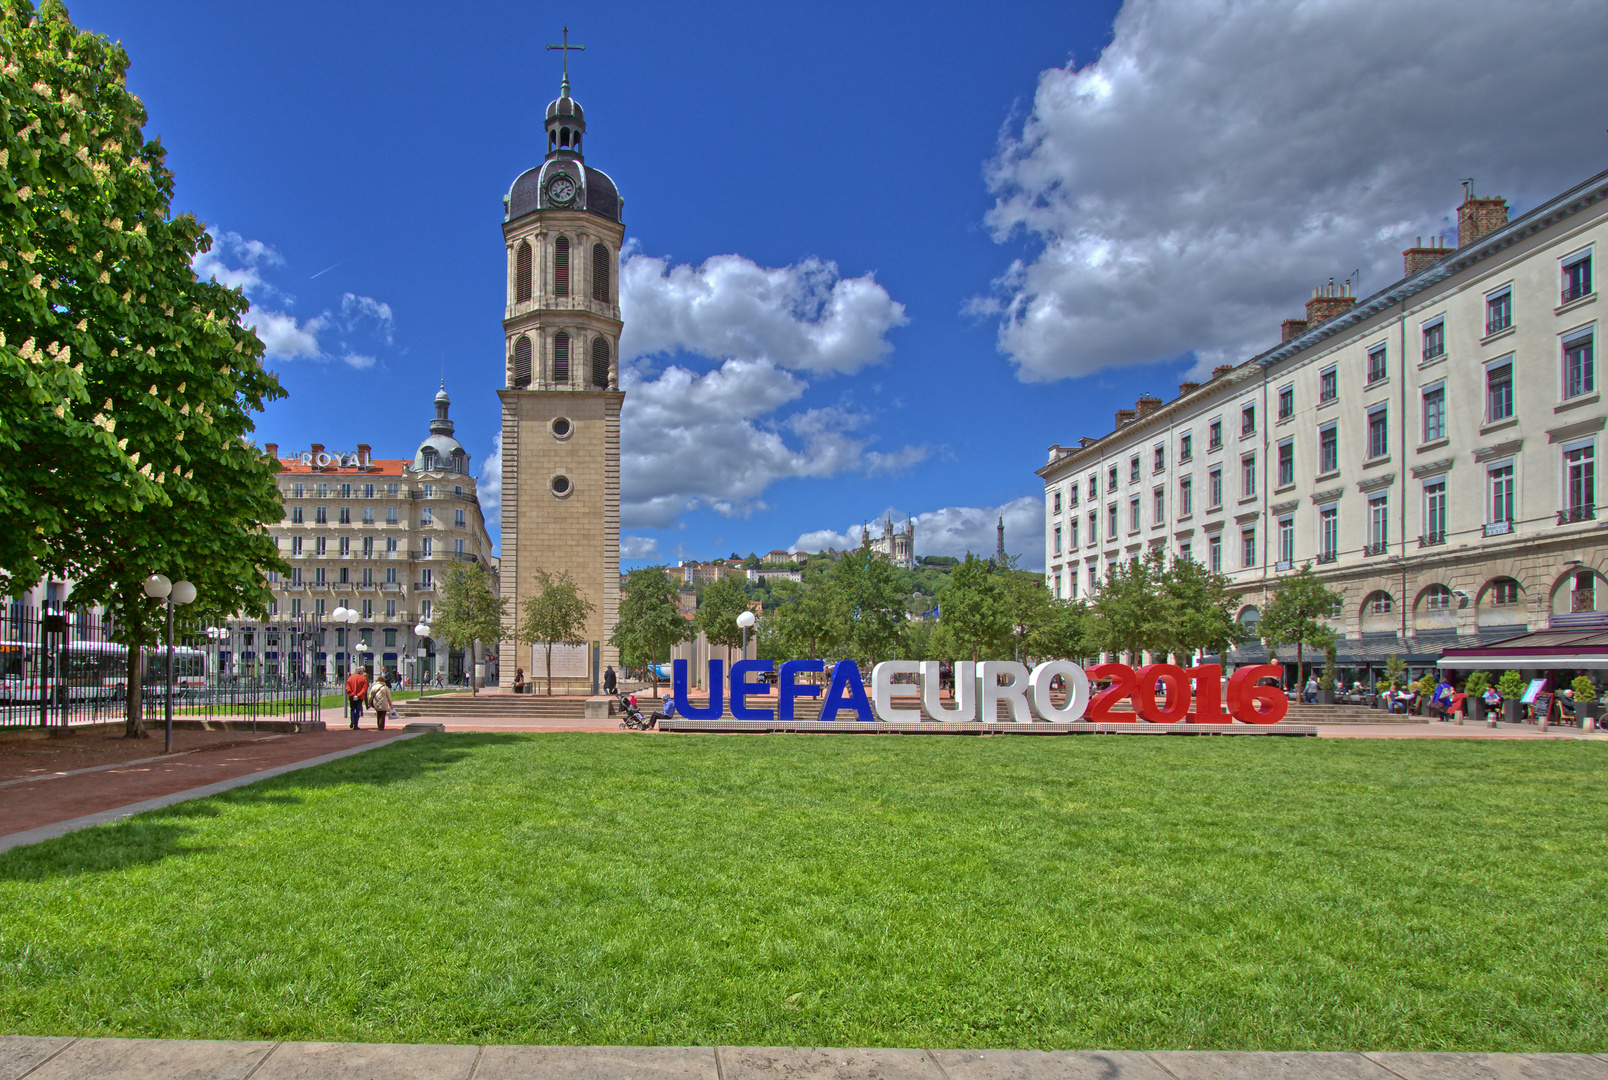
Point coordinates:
[(62, 828), (25, 1057)]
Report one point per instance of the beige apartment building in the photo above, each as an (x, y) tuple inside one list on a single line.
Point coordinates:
[(371, 535), (1430, 449)]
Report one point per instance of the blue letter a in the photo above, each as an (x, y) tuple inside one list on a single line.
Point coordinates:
[(716, 707), (846, 692)]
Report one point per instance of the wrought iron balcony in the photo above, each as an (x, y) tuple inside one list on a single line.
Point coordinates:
[(1500, 322), (1327, 557), (1432, 539), (1570, 515), (1577, 290), (1380, 548)]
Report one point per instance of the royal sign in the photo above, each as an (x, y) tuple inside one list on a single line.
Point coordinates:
[(1160, 693)]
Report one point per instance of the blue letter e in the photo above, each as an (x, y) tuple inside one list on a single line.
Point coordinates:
[(716, 706)]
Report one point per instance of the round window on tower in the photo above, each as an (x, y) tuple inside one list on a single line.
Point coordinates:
[(560, 486), (561, 427)]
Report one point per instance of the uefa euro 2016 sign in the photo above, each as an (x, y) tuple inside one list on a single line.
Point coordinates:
[(979, 689)]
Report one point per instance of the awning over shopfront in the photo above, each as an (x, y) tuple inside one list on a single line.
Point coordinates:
[(1582, 647)]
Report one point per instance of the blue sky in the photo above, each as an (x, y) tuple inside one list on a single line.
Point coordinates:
[(882, 255)]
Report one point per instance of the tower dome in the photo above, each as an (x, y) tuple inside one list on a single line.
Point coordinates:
[(563, 181), (441, 452)]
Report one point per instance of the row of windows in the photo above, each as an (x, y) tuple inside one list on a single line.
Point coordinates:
[(601, 273), (560, 369), (318, 609), (1579, 492), (296, 515), (326, 490)]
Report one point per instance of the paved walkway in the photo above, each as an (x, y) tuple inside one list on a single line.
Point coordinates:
[(147, 1059)]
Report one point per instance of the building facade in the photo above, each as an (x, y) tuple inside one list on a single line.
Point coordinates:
[(562, 230), (375, 536), (1430, 449), (898, 546)]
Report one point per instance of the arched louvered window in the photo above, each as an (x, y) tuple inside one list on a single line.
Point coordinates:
[(522, 361), (561, 358), (522, 273), (600, 272), (600, 363), (561, 266)]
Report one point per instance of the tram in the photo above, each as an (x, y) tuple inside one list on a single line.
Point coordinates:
[(89, 670)]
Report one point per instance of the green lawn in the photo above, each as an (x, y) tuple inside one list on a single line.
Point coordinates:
[(845, 891)]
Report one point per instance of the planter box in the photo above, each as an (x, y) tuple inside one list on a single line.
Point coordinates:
[(1511, 711), (1475, 707), (1325, 697)]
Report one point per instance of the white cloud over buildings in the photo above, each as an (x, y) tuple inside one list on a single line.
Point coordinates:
[(953, 530), (1189, 187)]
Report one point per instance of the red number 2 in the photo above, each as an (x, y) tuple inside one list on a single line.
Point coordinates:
[(1121, 676)]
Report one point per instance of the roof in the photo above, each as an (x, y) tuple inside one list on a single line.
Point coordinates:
[(1576, 647), (598, 193), (375, 467)]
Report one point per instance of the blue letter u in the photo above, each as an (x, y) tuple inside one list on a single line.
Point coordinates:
[(717, 691)]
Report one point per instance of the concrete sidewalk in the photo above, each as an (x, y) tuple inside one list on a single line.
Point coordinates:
[(45, 1058)]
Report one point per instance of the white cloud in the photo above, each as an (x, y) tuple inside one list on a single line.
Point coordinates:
[(638, 547), (283, 337), (953, 530), (364, 313), (1220, 159), (489, 489), (252, 255), (802, 316), (357, 360), (712, 440)]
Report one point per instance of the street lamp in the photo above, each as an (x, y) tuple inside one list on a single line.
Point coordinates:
[(158, 587), (216, 634), (745, 620), (421, 630)]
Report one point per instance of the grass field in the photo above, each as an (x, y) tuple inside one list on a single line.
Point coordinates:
[(845, 891)]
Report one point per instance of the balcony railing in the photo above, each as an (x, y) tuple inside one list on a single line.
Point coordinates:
[(390, 586), (1433, 352), (1379, 548), (1431, 539), (1570, 515), (1498, 528), (1577, 290), (424, 586), (1500, 322), (1327, 556)]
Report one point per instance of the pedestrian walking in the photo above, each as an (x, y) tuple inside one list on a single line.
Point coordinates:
[(609, 681), (356, 690), (1311, 695), (380, 699), (519, 680)]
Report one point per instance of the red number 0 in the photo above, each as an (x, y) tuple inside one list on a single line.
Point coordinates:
[(1144, 695), (1121, 676), (1244, 695)]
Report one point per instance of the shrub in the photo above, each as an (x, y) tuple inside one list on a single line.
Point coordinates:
[(1585, 691), (1510, 685), (1476, 684)]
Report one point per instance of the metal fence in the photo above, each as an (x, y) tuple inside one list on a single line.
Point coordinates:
[(66, 669)]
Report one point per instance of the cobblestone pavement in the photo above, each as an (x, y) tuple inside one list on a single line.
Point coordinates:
[(47, 1058)]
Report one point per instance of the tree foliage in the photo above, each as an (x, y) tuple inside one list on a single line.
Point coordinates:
[(555, 614), (1295, 616), (974, 611), (718, 609), (1167, 609), (128, 385), (868, 605), (650, 621), (468, 611)]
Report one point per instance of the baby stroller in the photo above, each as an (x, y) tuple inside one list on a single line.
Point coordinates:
[(634, 720)]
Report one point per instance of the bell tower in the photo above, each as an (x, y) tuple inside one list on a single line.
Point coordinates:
[(561, 396)]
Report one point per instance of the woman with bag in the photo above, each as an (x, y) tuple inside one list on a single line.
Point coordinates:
[(380, 698)]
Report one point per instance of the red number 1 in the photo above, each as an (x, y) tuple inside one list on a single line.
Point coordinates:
[(1208, 694)]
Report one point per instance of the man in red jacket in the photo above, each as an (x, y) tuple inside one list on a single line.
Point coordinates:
[(356, 691)]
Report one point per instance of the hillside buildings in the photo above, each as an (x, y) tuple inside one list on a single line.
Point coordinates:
[(1431, 449)]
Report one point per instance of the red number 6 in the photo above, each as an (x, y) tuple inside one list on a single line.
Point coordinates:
[(1244, 695)]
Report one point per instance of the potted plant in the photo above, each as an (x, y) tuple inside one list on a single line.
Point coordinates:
[(1585, 695), (1326, 680), (1473, 701), (1511, 687)]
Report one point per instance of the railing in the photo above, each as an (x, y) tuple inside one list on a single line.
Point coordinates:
[(1432, 352), (1577, 290), (390, 586), (1572, 514), (1498, 528), (1501, 322), (1380, 548), (424, 586), (1327, 556), (367, 585), (1432, 539)]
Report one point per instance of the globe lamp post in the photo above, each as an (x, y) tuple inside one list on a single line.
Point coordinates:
[(421, 630), (745, 620), (158, 587)]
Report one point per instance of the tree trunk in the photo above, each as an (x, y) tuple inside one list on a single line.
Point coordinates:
[(549, 669), (134, 707), (474, 672), (1300, 675), (653, 668)]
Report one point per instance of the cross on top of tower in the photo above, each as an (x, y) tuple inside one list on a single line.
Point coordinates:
[(564, 87)]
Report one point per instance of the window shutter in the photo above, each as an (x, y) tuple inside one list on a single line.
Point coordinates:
[(522, 361), (600, 363), (600, 272), (522, 273), (561, 358), (561, 255)]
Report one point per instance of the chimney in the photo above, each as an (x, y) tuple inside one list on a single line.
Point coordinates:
[(1146, 405), (1221, 369), (1328, 301), (1419, 258), (1478, 217), (1187, 388), (271, 449), (1124, 417), (1290, 328)]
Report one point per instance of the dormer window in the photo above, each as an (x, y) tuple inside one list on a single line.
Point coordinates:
[(429, 461)]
